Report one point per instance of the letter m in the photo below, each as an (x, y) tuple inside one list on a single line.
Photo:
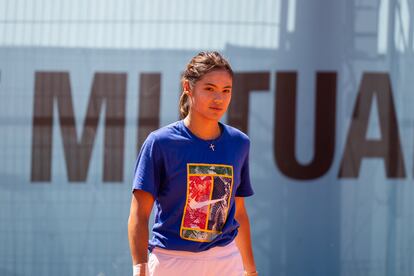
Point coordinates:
[(54, 88)]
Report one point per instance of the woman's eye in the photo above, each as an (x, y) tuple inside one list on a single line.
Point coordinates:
[(227, 91), (209, 89)]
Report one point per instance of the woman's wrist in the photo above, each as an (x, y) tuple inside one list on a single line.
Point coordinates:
[(140, 269)]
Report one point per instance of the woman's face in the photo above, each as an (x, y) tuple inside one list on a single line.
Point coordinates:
[(210, 96)]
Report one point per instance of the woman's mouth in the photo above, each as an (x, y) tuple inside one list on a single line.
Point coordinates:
[(216, 108)]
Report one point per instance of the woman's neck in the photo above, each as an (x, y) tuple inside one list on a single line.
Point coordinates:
[(204, 129)]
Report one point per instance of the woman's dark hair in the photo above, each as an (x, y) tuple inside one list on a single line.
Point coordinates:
[(198, 66)]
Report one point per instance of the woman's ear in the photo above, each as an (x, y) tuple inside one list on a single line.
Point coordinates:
[(186, 87)]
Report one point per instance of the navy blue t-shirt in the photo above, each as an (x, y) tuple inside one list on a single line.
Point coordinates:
[(194, 183)]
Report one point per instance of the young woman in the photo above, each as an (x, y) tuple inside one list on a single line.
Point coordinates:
[(196, 171)]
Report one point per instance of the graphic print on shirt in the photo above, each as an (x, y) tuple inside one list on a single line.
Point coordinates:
[(209, 188)]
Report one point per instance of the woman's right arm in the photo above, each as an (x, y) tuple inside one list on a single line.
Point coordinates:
[(138, 234)]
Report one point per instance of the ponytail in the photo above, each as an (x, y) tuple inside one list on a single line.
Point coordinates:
[(184, 105)]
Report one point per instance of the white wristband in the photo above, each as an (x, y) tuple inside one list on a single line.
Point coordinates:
[(140, 270)]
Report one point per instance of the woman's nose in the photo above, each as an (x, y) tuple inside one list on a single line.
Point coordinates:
[(218, 97)]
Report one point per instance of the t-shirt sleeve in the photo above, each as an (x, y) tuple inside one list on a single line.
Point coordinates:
[(245, 187), (148, 167)]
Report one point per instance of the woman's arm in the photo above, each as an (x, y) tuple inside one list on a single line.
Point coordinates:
[(243, 239), (140, 211)]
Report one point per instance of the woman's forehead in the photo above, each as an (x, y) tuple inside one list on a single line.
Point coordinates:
[(217, 76)]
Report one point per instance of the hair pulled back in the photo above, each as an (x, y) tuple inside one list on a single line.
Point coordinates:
[(198, 66)]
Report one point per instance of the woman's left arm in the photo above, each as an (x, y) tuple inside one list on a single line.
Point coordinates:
[(243, 239)]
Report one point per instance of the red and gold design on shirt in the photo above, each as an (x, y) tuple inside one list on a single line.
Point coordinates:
[(209, 189)]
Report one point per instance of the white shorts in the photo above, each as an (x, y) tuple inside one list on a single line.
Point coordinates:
[(215, 261)]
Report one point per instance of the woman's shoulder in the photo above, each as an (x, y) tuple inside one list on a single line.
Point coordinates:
[(235, 133), (165, 133)]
